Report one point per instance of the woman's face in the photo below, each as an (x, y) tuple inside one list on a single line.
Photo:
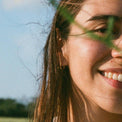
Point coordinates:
[(90, 60)]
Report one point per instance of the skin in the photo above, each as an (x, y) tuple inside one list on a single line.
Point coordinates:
[(86, 56)]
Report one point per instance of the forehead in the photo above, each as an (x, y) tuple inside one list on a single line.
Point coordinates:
[(100, 7)]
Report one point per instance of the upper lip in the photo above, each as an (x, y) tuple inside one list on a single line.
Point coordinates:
[(115, 70)]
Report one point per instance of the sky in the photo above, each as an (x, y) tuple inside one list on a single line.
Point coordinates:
[(22, 36)]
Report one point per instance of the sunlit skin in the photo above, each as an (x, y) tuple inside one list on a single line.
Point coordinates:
[(86, 57)]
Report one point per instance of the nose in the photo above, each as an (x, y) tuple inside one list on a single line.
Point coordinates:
[(117, 53)]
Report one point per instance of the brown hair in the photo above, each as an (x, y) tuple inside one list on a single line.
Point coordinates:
[(57, 88)]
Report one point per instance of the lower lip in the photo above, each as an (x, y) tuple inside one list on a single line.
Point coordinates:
[(113, 83)]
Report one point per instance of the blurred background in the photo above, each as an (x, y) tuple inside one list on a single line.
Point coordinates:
[(24, 26)]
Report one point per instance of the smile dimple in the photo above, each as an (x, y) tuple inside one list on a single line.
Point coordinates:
[(112, 75)]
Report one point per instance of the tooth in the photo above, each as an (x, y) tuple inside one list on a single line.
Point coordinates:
[(106, 74), (109, 75), (120, 77), (115, 77)]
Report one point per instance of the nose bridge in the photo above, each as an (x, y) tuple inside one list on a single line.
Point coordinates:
[(118, 42)]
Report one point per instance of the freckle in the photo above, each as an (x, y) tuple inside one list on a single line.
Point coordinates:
[(111, 61)]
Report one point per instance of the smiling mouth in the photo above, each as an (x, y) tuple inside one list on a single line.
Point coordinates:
[(112, 75), (114, 78)]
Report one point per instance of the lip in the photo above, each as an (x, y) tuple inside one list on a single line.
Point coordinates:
[(114, 83)]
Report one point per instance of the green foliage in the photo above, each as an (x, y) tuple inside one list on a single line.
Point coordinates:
[(11, 108)]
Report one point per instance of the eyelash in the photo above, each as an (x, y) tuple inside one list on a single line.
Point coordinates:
[(103, 30)]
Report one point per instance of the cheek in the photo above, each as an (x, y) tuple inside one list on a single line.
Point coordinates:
[(83, 58), (86, 52)]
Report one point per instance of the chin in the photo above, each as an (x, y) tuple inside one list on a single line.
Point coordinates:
[(107, 105)]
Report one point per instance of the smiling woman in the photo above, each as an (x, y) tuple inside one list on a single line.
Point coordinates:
[(82, 79)]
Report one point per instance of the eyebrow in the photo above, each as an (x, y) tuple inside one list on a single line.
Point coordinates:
[(104, 17)]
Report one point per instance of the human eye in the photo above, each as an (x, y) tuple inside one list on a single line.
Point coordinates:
[(100, 31)]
